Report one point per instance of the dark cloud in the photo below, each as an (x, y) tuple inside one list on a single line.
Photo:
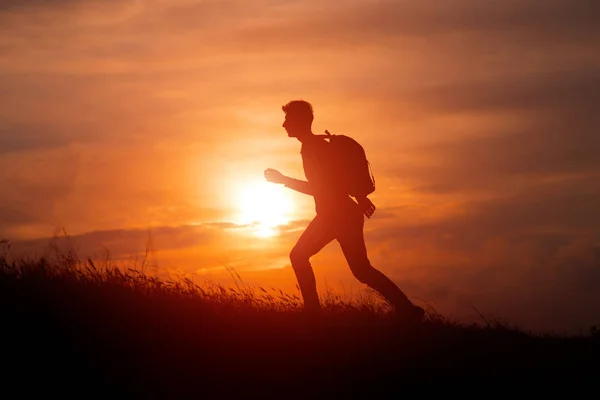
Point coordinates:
[(195, 16), (522, 244), (574, 92), (125, 242), (554, 211), (11, 214), (555, 133), (33, 184), (532, 262), (486, 164), (483, 22), (11, 5), (7, 5), (15, 138)]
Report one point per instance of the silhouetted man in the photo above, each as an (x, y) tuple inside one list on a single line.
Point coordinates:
[(338, 217)]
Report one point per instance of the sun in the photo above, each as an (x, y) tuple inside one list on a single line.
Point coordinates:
[(264, 206)]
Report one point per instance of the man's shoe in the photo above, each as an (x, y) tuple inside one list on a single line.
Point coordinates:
[(412, 315), (417, 314)]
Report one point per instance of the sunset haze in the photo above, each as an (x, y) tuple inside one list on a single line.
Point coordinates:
[(148, 124)]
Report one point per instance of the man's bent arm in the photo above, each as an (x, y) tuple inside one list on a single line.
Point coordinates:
[(298, 185)]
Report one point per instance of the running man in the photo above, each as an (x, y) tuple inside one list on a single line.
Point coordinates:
[(338, 217)]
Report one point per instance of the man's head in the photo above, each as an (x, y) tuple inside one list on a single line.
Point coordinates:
[(298, 118)]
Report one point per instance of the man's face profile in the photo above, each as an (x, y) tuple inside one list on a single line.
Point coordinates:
[(293, 125)]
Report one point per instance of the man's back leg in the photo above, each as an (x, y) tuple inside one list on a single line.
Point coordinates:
[(352, 242)]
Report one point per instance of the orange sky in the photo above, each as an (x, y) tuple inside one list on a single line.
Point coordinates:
[(124, 120)]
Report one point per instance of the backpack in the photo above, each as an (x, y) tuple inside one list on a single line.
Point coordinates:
[(351, 167)]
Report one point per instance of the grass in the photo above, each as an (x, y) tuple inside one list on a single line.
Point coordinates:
[(74, 327)]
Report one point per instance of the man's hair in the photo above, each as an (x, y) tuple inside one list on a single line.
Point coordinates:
[(299, 108)]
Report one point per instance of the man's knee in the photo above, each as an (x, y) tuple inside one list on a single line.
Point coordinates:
[(298, 258), (363, 272)]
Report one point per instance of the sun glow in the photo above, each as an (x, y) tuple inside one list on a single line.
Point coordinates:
[(264, 206)]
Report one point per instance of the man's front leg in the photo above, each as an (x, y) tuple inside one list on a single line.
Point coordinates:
[(307, 283)]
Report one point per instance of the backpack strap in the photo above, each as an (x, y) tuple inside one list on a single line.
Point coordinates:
[(326, 135)]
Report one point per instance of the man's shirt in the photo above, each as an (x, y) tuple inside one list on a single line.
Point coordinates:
[(317, 161)]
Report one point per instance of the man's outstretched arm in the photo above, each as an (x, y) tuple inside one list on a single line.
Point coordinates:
[(275, 176), (298, 185)]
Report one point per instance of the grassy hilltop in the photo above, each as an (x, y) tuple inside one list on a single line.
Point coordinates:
[(74, 328)]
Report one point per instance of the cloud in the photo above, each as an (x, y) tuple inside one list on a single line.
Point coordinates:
[(468, 21), (530, 258), (22, 138), (126, 242), (566, 91), (9, 5), (497, 162), (536, 127)]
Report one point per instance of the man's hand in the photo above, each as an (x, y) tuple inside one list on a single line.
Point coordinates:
[(366, 206), (272, 175)]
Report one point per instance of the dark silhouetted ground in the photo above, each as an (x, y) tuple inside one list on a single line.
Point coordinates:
[(73, 329)]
